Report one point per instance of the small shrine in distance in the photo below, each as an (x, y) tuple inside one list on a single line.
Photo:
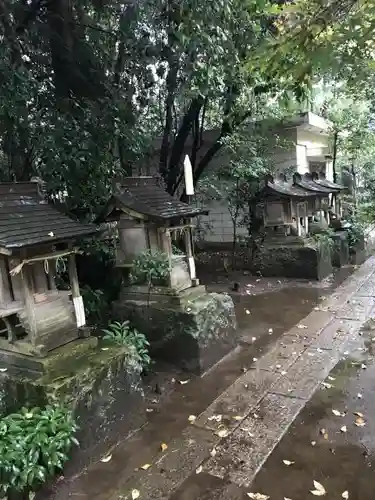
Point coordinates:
[(291, 209), (184, 324)]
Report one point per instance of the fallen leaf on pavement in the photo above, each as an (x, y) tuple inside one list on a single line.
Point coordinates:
[(258, 496), (345, 495), (338, 413), (270, 330), (192, 418), (285, 498), (327, 385), (358, 414), (217, 418), (223, 433), (319, 490), (359, 395), (184, 382), (163, 446), (344, 428), (146, 466), (331, 378), (199, 470), (287, 462), (238, 418), (149, 410), (360, 422), (313, 443), (106, 459), (324, 433), (301, 326), (247, 311), (135, 494), (213, 452)]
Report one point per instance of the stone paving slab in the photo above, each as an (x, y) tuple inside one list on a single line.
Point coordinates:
[(311, 326), (368, 288), (336, 334), (239, 457), (306, 374), (238, 400), (207, 487), (283, 354), (167, 473), (357, 308)]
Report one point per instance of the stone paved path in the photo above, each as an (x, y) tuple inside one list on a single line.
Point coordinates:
[(229, 441)]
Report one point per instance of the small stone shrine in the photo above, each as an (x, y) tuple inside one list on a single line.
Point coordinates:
[(35, 317), (46, 354), (327, 213), (184, 323), (288, 208)]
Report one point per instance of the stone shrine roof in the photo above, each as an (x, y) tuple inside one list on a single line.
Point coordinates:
[(144, 196), (306, 182), (281, 187), (27, 219), (321, 180)]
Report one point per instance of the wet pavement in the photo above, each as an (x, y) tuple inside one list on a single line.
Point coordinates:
[(220, 430)]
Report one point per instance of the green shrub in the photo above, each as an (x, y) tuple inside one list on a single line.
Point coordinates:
[(150, 267), (123, 334), (95, 304), (34, 446)]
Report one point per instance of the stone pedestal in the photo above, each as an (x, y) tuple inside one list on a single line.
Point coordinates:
[(192, 329), (340, 251), (358, 253), (101, 385), (294, 259)]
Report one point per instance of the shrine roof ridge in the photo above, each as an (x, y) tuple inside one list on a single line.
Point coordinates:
[(27, 219), (301, 186), (145, 196)]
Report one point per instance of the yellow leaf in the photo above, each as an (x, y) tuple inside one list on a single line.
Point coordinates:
[(106, 459), (326, 385), (287, 462), (199, 470), (192, 418), (319, 489), (222, 433), (360, 422), (163, 447), (146, 466), (337, 413), (135, 494)]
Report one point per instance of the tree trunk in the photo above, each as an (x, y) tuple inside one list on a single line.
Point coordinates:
[(175, 162)]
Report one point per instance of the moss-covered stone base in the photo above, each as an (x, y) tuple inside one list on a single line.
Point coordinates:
[(311, 261), (340, 253), (103, 387), (193, 335)]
